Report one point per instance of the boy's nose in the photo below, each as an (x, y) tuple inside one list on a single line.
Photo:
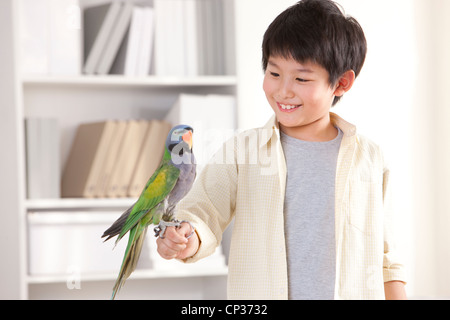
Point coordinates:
[(285, 90)]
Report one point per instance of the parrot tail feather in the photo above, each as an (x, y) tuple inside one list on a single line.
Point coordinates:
[(131, 258), (117, 226)]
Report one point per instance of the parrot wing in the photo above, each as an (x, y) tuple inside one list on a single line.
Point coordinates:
[(156, 190), (117, 226)]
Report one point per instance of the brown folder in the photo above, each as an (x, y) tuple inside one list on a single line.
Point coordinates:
[(127, 159), (150, 156), (86, 158)]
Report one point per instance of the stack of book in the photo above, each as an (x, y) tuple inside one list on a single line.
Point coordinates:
[(113, 159), (190, 37), (172, 38), (169, 38)]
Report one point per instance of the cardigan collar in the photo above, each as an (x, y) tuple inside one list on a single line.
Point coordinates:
[(272, 128)]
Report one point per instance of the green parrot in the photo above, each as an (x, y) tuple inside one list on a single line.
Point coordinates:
[(170, 182)]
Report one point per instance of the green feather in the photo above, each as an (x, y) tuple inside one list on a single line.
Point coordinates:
[(147, 210), (143, 214), (158, 187), (131, 257)]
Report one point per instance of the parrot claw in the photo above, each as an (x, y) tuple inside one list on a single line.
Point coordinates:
[(160, 229)]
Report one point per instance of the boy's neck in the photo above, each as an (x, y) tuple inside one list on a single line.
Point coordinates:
[(321, 130)]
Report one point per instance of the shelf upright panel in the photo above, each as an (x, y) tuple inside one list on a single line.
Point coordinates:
[(12, 239)]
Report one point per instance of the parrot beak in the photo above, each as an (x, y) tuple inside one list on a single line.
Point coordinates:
[(187, 137)]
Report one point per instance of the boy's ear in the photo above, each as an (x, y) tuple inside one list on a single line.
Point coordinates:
[(345, 83)]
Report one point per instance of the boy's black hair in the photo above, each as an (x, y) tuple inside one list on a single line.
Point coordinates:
[(317, 31)]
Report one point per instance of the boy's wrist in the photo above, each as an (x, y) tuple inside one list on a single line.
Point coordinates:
[(395, 290)]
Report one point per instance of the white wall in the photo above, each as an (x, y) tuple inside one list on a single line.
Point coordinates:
[(252, 19), (382, 101), (399, 101), (436, 67)]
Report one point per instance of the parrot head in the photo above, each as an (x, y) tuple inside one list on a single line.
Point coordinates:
[(179, 140)]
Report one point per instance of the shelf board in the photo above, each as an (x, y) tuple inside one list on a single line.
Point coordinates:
[(123, 81), (78, 203), (138, 274)]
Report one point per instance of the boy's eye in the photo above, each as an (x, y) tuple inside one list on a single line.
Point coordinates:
[(273, 74), (301, 80)]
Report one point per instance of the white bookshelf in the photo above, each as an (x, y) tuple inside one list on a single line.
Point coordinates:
[(77, 203), (73, 100), (123, 81), (137, 275)]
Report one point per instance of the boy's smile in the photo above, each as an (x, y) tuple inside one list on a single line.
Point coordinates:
[(301, 97), (287, 108)]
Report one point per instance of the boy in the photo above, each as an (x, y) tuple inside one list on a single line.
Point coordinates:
[(310, 197)]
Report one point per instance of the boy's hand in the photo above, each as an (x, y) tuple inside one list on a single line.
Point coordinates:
[(175, 245)]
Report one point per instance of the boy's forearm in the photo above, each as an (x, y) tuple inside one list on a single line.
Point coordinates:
[(395, 290)]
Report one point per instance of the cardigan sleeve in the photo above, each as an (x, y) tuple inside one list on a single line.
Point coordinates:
[(210, 204), (393, 268)]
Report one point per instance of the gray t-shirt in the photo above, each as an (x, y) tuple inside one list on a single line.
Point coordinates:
[(309, 216)]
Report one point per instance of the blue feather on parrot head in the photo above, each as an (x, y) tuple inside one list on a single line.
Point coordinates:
[(179, 140)]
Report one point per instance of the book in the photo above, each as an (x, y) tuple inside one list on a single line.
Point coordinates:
[(87, 155), (146, 43), (65, 53), (199, 29), (127, 158), (135, 54), (191, 42), (42, 158), (162, 28), (129, 47), (150, 156), (198, 44), (34, 37), (229, 54), (218, 37), (209, 37), (134, 38), (175, 53), (50, 37), (115, 39), (110, 159), (99, 22)]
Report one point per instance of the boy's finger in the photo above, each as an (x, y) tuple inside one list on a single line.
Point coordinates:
[(165, 251), (175, 235), (185, 229)]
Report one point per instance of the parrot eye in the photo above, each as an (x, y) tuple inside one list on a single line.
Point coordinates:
[(177, 134)]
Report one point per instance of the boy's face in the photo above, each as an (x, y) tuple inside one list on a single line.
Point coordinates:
[(301, 97)]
